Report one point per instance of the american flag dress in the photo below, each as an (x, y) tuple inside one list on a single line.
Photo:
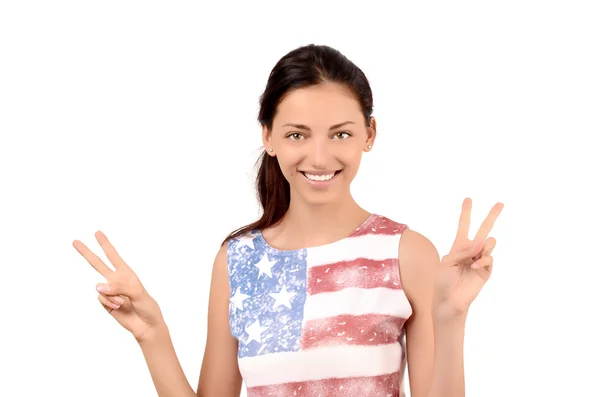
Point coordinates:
[(320, 321)]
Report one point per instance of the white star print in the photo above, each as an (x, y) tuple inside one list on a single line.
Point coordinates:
[(254, 332), (238, 299), (247, 240), (265, 265), (282, 298)]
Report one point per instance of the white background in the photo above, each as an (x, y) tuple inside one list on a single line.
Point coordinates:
[(139, 119)]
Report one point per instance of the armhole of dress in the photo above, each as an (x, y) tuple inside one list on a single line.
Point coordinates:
[(404, 360), (398, 253), (405, 228), (229, 311)]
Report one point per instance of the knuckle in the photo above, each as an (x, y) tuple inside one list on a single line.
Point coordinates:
[(127, 284)]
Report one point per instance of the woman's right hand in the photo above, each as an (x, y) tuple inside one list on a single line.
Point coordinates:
[(123, 296)]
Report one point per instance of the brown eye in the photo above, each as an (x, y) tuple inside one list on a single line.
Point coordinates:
[(295, 136), (342, 135)]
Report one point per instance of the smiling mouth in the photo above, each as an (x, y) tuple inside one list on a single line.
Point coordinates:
[(320, 177)]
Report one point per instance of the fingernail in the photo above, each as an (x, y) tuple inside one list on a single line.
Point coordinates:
[(102, 288), (119, 300)]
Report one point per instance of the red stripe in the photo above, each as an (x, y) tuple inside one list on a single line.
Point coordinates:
[(366, 329), (380, 225), (382, 385), (360, 273)]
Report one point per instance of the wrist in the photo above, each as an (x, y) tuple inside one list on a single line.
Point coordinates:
[(447, 315), (449, 332), (153, 335)]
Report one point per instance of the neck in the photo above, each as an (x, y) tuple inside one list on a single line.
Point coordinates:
[(319, 224)]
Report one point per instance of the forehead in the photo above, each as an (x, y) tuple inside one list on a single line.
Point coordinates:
[(321, 105)]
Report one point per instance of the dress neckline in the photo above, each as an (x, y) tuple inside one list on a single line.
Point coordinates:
[(261, 238)]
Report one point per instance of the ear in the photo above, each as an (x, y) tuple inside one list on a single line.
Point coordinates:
[(266, 138), (371, 134)]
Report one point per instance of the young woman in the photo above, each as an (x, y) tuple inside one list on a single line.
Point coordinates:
[(319, 297)]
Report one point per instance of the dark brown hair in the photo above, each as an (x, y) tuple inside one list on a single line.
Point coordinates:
[(302, 67)]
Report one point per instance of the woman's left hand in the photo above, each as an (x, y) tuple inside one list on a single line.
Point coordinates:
[(468, 265)]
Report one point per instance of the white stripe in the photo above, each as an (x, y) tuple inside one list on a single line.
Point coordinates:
[(372, 246), (320, 363), (357, 301)]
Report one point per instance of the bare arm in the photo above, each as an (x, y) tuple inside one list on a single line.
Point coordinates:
[(434, 343), (165, 369), (219, 375), (124, 297), (128, 302), (441, 293)]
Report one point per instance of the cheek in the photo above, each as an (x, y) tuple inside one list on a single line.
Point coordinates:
[(288, 160), (351, 157)]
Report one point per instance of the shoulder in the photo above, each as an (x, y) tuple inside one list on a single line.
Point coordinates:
[(419, 262), (232, 247), (221, 272), (417, 255), (415, 248), (238, 245), (222, 252), (418, 258), (380, 224), (220, 265)]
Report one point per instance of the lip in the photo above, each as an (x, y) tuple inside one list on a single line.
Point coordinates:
[(326, 172), (321, 184)]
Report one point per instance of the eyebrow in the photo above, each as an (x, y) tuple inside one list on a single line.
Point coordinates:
[(304, 127)]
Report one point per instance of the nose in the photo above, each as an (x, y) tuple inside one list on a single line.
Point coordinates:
[(320, 153)]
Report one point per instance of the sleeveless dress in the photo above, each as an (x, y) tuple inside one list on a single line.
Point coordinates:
[(320, 321)]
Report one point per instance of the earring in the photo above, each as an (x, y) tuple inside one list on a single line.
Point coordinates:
[(369, 146), (271, 149)]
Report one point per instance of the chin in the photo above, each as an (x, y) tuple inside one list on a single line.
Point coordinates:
[(321, 192), (321, 199)]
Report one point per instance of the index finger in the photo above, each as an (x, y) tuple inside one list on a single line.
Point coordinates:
[(462, 234), (488, 223), (92, 259)]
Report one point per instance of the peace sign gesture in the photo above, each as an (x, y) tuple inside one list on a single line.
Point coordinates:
[(123, 296), (468, 265)]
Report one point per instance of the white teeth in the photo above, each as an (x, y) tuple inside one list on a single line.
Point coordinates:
[(319, 177)]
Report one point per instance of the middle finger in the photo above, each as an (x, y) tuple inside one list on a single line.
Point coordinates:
[(92, 259)]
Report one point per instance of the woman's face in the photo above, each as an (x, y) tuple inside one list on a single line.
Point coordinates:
[(318, 137)]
